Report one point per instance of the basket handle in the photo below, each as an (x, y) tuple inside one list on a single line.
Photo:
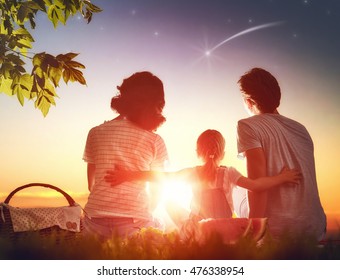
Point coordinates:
[(69, 199)]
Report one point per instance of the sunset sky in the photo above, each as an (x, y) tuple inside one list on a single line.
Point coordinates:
[(300, 46)]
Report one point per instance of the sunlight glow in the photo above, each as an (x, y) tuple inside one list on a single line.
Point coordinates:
[(177, 192), (176, 196)]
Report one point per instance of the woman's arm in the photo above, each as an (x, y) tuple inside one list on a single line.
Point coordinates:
[(116, 177), (91, 168)]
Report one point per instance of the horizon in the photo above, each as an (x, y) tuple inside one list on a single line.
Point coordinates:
[(50, 199)]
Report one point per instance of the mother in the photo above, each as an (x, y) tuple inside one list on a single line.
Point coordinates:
[(127, 142), (270, 141)]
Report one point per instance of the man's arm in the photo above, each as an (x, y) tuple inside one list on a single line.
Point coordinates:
[(291, 176), (91, 168), (256, 168)]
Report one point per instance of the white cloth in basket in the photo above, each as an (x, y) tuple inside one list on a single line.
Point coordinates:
[(31, 219)]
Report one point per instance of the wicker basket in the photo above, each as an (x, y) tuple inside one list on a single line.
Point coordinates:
[(8, 231)]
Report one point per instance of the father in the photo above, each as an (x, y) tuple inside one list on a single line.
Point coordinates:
[(270, 142)]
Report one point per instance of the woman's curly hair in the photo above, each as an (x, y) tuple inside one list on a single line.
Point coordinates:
[(141, 100)]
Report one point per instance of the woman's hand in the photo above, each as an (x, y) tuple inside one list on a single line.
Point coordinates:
[(116, 177)]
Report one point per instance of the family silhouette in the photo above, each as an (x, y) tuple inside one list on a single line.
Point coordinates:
[(126, 152)]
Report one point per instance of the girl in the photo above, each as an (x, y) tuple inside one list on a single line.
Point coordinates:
[(211, 183)]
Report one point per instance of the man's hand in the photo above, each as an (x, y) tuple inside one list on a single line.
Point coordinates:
[(290, 175)]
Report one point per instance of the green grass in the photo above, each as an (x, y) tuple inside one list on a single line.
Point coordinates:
[(153, 245)]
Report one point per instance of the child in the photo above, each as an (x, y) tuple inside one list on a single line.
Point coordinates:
[(211, 183)]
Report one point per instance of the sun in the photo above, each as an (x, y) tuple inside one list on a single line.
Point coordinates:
[(175, 198), (177, 192)]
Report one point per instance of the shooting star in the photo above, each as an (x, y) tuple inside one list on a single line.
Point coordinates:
[(258, 27)]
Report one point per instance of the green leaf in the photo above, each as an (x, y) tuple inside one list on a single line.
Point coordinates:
[(15, 59), (32, 21), (38, 101), (51, 60), (37, 59), (66, 57), (23, 44), (22, 86), (43, 104), (34, 90), (6, 86), (21, 98), (55, 75), (5, 70), (49, 91), (22, 38), (71, 8), (67, 14), (26, 83), (8, 27), (53, 15), (48, 61), (37, 71), (60, 3), (60, 13), (19, 69), (23, 12), (34, 5), (18, 17), (48, 2), (40, 81), (42, 4), (12, 43), (24, 33)]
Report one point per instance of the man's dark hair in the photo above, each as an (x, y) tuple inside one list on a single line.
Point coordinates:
[(262, 88)]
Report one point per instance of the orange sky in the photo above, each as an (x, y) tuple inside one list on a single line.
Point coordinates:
[(201, 92)]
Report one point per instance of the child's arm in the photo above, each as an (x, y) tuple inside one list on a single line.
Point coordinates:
[(116, 177), (264, 183)]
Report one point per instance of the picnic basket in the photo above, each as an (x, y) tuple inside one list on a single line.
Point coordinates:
[(63, 223)]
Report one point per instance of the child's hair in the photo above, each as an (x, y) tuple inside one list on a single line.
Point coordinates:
[(210, 147), (141, 100)]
